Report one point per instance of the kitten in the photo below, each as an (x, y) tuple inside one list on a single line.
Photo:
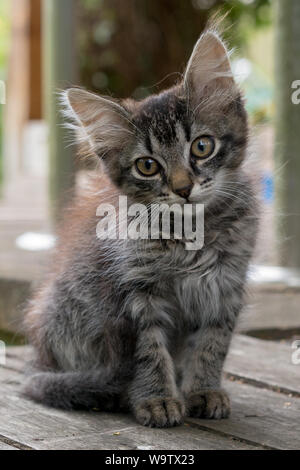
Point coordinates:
[(145, 325)]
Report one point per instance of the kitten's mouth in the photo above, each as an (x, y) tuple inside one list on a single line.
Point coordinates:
[(203, 194)]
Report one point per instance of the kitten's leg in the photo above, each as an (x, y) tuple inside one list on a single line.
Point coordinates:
[(154, 396), (201, 371), (220, 299)]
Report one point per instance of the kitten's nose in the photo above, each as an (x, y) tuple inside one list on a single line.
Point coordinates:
[(184, 191)]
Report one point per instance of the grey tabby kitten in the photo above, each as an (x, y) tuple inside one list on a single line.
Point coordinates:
[(145, 325)]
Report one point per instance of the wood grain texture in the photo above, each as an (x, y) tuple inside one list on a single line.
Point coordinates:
[(260, 415), (37, 427), (263, 363), (261, 418)]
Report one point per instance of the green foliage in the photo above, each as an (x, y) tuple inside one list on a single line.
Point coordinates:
[(257, 12), (244, 17), (4, 37), (12, 339)]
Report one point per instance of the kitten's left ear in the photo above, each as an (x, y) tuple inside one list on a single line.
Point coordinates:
[(208, 64), (103, 122)]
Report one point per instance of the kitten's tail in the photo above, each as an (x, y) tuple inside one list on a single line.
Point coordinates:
[(76, 390)]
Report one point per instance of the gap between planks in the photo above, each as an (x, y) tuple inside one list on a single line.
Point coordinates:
[(16, 444), (218, 432), (259, 384)]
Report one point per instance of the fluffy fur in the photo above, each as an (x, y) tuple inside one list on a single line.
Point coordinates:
[(146, 324)]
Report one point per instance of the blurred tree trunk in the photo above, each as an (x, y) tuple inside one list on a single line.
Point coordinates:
[(288, 131), (59, 73), (134, 44), (35, 68)]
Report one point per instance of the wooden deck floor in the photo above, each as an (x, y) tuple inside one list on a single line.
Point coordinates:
[(263, 383)]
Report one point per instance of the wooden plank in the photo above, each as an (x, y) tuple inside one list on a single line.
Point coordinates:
[(138, 437), (272, 291), (263, 363), (259, 415), (16, 361), (274, 278), (265, 310), (38, 427), (34, 426), (10, 377), (18, 355)]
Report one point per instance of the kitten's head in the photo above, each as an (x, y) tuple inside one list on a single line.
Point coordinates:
[(181, 145)]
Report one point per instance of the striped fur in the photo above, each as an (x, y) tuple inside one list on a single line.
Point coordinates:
[(146, 324)]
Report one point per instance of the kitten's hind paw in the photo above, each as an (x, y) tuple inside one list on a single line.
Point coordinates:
[(159, 412), (210, 404)]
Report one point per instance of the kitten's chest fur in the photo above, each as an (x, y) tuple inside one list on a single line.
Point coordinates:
[(190, 282)]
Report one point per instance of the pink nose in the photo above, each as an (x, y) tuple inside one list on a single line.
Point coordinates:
[(185, 191)]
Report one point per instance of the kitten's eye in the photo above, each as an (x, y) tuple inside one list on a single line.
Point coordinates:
[(203, 147), (147, 166)]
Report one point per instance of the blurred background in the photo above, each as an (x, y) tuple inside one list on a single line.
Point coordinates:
[(135, 48)]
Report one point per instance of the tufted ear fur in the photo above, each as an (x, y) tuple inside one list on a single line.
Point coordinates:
[(102, 122), (208, 65)]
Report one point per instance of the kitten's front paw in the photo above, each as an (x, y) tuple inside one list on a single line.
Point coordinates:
[(210, 404), (159, 412)]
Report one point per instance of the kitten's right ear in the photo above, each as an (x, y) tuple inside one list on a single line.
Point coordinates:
[(208, 65), (105, 123)]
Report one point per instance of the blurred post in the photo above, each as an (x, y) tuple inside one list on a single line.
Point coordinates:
[(287, 50), (59, 73), (16, 108)]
